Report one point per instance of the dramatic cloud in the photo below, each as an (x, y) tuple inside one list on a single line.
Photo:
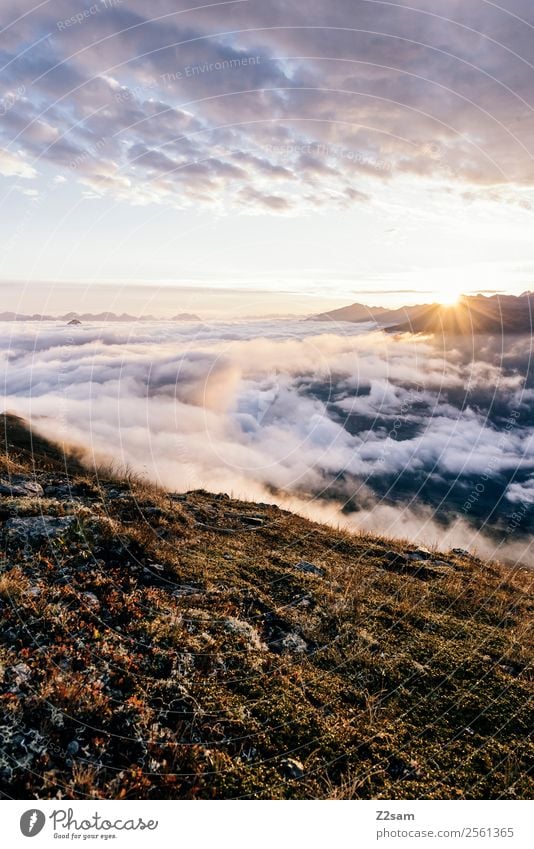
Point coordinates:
[(350, 425), (212, 104)]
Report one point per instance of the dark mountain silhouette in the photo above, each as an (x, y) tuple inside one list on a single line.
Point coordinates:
[(74, 317), (356, 313), (472, 314), (477, 314)]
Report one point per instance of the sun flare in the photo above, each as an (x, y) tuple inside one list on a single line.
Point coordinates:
[(449, 299)]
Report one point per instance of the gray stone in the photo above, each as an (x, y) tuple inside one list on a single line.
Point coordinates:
[(185, 590), (293, 767), (419, 554), (309, 568), (91, 600), (37, 529), (294, 643), (20, 487), (247, 632), (22, 672), (254, 521)]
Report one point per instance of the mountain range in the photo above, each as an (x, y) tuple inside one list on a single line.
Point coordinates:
[(473, 314), (94, 317)]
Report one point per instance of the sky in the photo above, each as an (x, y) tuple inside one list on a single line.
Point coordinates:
[(263, 156)]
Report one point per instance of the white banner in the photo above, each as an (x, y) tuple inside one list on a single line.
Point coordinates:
[(270, 825)]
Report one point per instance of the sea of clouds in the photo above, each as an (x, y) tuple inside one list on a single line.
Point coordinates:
[(342, 423)]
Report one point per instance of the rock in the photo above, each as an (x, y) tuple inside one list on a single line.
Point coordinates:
[(254, 521), (293, 767), (308, 568), (461, 552), (392, 561), (20, 486), (186, 589), (245, 630), (157, 512), (34, 530), (22, 672), (419, 554), (393, 557), (91, 600), (58, 491), (416, 564), (294, 643)]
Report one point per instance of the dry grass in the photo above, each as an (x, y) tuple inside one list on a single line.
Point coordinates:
[(179, 652)]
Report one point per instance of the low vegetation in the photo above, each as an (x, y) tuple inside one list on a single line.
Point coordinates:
[(193, 646)]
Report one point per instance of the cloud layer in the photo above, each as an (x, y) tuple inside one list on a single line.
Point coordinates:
[(350, 425)]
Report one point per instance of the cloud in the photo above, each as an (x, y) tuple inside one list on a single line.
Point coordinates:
[(350, 93), (369, 430), (12, 165)]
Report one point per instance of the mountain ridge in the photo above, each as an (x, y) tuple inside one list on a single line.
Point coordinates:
[(472, 314), (102, 316)]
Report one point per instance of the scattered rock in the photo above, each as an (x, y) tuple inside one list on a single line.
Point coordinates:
[(245, 630), (409, 565), (185, 590), (294, 643), (20, 486), (157, 512), (309, 568), (22, 673), (255, 521), (419, 554), (293, 767), (91, 600), (34, 530)]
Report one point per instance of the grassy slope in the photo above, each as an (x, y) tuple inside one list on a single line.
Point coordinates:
[(204, 664)]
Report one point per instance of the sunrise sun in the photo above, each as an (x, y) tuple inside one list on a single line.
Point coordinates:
[(449, 298)]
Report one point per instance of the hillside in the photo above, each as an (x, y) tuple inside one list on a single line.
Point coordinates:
[(193, 646)]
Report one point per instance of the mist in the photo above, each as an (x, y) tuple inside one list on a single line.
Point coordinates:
[(342, 423)]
